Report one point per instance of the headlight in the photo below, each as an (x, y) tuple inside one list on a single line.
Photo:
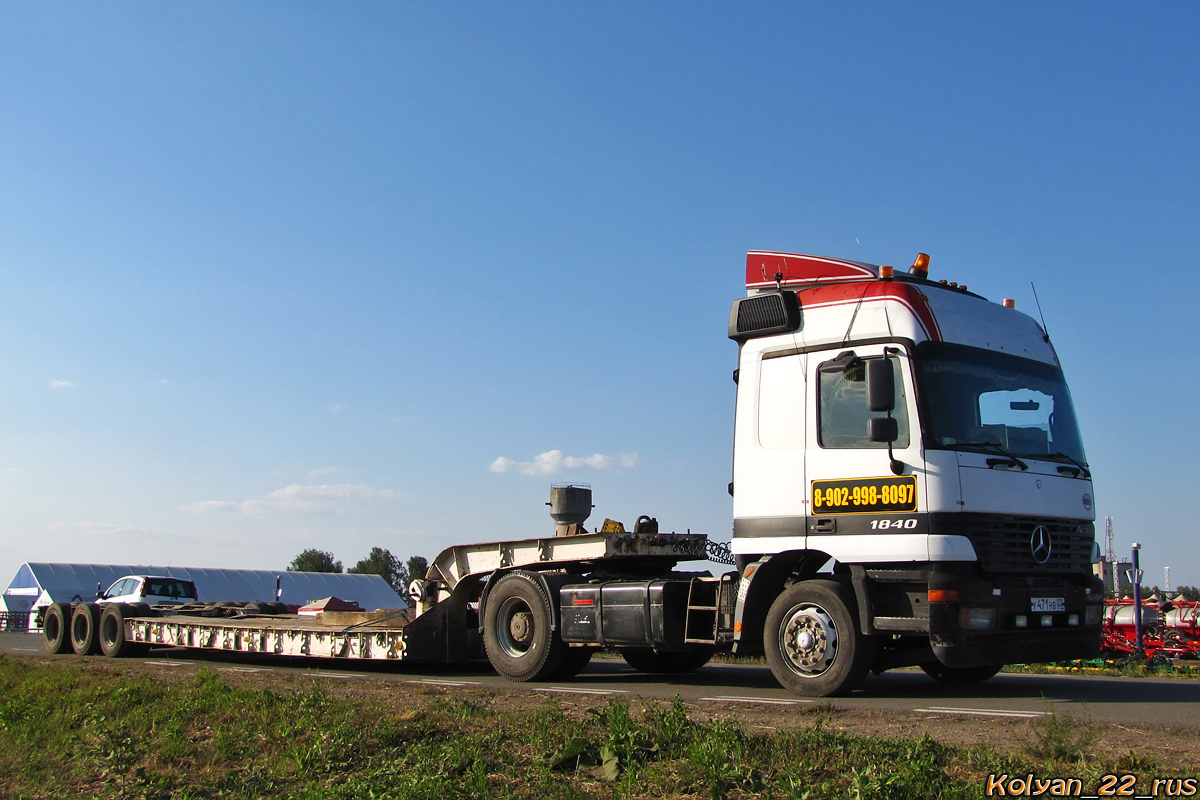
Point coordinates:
[(977, 619)]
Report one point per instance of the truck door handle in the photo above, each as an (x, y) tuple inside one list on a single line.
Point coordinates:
[(826, 525)]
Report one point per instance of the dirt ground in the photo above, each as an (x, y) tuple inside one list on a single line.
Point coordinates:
[(1166, 747)]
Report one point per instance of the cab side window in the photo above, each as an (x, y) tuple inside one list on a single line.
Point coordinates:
[(842, 405)]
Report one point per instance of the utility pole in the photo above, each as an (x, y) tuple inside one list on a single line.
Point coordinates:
[(1135, 577)]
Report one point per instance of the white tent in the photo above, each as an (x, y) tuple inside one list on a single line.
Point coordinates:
[(39, 584)]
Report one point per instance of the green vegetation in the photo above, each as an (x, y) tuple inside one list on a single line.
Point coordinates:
[(77, 728)]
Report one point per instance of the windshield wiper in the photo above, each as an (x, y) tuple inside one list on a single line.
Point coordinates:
[(1008, 458), (1082, 469)]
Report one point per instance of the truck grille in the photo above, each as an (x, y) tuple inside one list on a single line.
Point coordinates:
[(1003, 544)]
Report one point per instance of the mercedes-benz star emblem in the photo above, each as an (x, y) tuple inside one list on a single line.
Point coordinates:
[(1039, 544)]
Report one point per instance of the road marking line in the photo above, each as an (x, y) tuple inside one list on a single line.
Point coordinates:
[(568, 690), (170, 663), (432, 682), (331, 675), (981, 712), (27, 650), (767, 700), (242, 669)]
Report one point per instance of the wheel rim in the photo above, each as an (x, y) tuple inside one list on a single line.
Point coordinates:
[(108, 630), (79, 627), (515, 627), (808, 640)]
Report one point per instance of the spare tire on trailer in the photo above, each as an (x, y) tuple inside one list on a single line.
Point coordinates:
[(56, 629), (575, 662), (112, 631), (517, 631), (139, 610), (960, 676), (85, 629), (662, 662)]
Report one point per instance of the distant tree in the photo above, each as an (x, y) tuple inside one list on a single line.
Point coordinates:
[(1189, 592), (417, 567), (313, 560), (382, 563)]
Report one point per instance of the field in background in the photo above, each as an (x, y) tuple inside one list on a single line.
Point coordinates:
[(95, 729)]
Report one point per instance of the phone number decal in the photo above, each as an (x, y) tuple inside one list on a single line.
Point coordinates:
[(865, 495)]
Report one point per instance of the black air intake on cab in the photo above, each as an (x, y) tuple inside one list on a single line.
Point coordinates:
[(764, 315)]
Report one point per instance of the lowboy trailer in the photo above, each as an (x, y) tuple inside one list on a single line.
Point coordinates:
[(909, 489)]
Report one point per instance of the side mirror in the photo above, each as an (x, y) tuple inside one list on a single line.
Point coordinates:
[(881, 386), (99, 592), (883, 429)]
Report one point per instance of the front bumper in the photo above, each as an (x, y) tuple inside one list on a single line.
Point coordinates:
[(1060, 635)]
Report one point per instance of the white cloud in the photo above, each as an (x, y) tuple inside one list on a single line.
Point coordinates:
[(338, 408), (61, 385), (94, 527), (552, 461), (316, 473), (315, 498)]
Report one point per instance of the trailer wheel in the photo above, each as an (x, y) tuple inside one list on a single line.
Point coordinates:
[(575, 662), (516, 630), (812, 643), (56, 629), (959, 675), (112, 632), (662, 662), (85, 624)]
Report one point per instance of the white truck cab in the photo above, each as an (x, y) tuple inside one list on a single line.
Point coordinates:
[(918, 443), (155, 590)]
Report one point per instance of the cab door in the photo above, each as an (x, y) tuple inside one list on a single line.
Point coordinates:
[(854, 494)]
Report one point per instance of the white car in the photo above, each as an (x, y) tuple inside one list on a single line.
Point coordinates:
[(151, 589)]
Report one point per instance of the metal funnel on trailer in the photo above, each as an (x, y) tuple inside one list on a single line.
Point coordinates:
[(570, 504)]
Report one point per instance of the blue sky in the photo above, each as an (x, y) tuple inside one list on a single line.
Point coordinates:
[(276, 276)]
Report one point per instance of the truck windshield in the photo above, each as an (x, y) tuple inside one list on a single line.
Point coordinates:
[(980, 400)]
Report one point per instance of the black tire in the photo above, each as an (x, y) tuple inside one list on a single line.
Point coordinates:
[(112, 631), (699, 658), (960, 676), (516, 630), (812, 641), (575, 662), (139, 610), (662, 662), (56, 629), (85, 629)]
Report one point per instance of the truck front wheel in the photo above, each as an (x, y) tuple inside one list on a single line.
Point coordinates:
[(517, 633), (813, 645)]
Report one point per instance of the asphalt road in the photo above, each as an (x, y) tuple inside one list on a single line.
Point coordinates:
[(1126, 701)]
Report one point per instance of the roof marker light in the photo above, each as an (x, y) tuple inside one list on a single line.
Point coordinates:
[(920, 266), (1010, 303), (886, 272)]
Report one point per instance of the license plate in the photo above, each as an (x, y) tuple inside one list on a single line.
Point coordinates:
[(1047, 604)]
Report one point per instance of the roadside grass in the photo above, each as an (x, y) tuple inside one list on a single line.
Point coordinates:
[(81, 729)]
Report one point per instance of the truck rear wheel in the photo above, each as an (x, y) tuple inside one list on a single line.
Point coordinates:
[(56, 629), (662, 662), (959, 675), (112, 632), (85, 625), (516, 630), (813, 646)]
